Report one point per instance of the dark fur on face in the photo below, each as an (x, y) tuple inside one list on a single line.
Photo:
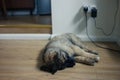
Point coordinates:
[(58, 64)]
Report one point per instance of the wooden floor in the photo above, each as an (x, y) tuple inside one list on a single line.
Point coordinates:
[(42, 20), (26, 24), (18, 61), (41, 29)]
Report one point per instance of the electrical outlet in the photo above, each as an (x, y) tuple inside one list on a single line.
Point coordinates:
[(90, 10)]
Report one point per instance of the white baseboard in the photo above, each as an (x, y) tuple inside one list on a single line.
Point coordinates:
[(25, 36), (98, 38), (95, 38), (48, 36), (118, 42)]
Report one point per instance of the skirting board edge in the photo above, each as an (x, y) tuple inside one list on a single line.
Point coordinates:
[(25, 36), (118, 42), (49, 36), (95, 38)]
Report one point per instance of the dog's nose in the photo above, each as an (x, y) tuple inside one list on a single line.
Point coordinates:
[(49, 68), (70, 62)]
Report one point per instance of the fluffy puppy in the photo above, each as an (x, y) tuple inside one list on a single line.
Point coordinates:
[(64, 51)]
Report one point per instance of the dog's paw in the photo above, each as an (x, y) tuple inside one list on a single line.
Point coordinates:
[(91, 62), (97, 59)]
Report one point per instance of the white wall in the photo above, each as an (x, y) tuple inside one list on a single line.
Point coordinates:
[(68, 16)]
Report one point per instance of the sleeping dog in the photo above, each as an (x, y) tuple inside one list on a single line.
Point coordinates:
[(64, 51)]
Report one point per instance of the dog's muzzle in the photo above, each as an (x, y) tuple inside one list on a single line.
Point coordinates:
[(57, 65)]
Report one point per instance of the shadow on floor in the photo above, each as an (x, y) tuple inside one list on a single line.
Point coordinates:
[(40, 59)]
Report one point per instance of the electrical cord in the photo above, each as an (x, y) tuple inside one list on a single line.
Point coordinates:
[(93, 41), (114, 22)]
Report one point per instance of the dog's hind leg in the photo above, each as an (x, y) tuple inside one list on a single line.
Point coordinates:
[(90, 51), (84, 60), (77, 41), (80, 52)]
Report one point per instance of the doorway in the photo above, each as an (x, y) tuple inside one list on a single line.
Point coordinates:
[(25, 16)]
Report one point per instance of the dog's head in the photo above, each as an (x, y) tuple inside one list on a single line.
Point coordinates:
[(59, 61)]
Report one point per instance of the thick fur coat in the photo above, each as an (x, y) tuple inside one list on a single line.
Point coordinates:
[(64, 51)]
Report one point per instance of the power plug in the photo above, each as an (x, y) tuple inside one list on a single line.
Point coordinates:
[(93, 12), (85, 9)]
